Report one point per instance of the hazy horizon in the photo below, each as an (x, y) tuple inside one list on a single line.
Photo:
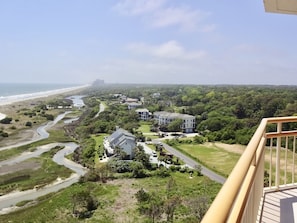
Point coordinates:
[(146, 42)]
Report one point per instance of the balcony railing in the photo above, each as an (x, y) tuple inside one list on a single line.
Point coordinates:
[(270, 152)]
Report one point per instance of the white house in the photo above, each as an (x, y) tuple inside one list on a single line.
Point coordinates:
[(133, 105), (143, 113), (121, 139), (164, 118)]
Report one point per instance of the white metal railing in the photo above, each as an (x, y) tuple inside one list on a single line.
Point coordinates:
[(240, 196)]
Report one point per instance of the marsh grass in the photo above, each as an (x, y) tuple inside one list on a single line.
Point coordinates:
[(30, 178), (55, 136), (57, 207)]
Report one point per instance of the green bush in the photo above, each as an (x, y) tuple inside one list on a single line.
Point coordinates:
[(28, 124), (6, 120)]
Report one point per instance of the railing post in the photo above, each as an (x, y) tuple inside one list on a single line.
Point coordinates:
[(278, 149)]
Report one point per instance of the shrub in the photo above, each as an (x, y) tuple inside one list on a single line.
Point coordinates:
[(4, 134), (6, 120), (28, 124), (163, 172)]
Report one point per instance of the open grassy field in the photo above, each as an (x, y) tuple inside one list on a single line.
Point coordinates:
[(223, 160), (217, 159)]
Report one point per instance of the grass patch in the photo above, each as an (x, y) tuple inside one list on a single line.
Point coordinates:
[(29, 178), (186, 186), (23, 203), (55, 136), (216, 159), (98, 147), (145, 128), (58, 206)]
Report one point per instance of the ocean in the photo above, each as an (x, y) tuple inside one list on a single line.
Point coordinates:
[(10, 89), (13, 92)]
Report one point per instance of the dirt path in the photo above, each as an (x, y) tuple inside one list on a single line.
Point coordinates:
[(125, 203)]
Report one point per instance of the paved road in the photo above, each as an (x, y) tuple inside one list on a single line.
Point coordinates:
[(192, 163)]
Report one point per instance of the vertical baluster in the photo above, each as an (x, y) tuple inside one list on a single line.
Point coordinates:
[(270, 165), (286, 160), (293, 166), (278, 147)]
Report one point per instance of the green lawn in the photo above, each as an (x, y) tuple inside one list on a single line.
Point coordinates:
[(145, 129), (215, 158), (99, 146)]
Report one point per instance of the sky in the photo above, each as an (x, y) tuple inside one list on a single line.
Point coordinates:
[(146, 41)]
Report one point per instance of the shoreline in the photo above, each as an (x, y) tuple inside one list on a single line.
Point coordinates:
[(23, 97), (9, 100)]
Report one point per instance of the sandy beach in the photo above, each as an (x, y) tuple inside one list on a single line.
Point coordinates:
[(23, 97), (12, 105), (6, 101)]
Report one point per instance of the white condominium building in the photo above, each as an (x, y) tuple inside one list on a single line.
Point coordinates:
[(164, 118)]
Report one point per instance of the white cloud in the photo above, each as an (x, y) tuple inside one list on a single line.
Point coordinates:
[(183, 17), (159, 15), (138, 7), (171, 50)]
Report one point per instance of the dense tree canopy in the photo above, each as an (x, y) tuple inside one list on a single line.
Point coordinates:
[(223, 113)]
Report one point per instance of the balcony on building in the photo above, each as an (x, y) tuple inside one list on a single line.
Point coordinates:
[(262, 187)]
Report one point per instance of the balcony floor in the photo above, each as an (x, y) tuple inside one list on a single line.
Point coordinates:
[(280, 207)]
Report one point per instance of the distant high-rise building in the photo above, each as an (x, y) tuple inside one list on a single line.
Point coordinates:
[(98, 82)]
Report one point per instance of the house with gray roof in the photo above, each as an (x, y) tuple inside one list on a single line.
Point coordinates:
[(121, 139)]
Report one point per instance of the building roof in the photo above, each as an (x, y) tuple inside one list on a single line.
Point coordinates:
[(119, 136), (281, 6), (142, 110), (173, 115)]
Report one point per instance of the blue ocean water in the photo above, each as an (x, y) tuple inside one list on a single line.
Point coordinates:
[(9, 89)]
